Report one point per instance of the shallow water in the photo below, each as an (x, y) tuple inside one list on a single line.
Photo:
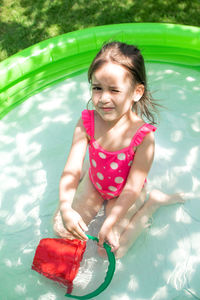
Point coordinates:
[(164, 263)]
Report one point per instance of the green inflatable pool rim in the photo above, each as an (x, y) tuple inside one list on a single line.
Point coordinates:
[(46, 63), (109, 274)]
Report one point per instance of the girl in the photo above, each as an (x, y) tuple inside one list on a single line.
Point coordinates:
[(121, 151)]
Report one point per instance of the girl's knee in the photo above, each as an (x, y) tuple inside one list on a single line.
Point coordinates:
[(57, 222), (58, 226), (121, 251)]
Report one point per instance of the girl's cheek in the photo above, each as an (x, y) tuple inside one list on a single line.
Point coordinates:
[(95, 98), (94, 101)]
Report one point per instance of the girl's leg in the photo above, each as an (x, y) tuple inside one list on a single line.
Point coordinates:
[(123, 224), (140, 220), (87, 202)]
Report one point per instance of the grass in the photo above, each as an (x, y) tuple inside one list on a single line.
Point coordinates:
[(25, 22)]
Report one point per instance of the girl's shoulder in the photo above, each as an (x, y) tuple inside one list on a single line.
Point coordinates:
[(145, 131), (87, 118)]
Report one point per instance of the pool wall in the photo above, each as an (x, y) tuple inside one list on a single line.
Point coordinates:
[(46, 63)]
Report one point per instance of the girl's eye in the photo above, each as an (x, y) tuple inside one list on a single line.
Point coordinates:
[(115, 91), (96, 88)]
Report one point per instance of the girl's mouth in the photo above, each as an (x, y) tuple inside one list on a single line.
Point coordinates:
[(106, 109)]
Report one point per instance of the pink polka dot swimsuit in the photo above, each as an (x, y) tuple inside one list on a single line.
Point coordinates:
[(109, 170)]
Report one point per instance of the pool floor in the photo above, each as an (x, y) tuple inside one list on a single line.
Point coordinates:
[(164, 262)]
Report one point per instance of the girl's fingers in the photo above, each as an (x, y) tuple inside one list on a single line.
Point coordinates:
[(114, 248), (79, 234), (83, 225), (101, 240)]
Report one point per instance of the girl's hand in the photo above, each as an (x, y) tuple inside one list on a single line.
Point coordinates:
[(74, 224), (107, 235)]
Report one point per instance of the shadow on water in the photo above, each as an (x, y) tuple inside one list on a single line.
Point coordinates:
[(36, 139), (164, 262)]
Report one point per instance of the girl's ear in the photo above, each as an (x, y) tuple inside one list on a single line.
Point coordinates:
[(138, 92)]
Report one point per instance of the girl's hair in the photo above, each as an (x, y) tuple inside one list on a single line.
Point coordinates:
[(130, 57)]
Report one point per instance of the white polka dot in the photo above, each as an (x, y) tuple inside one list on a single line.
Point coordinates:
[(121, 156), (100, 176), (114, 165), (102, 155), (112, 188), (99, 186), (94, 163), (110, 194), (119, 179), (109, 177), (95, 145), (130, 163)]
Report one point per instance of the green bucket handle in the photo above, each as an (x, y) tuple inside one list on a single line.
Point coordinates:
[(109, 274)]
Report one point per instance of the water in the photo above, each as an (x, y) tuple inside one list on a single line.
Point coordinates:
[(164, 263)]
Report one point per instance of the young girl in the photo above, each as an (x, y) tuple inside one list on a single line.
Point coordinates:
[(121, 151)]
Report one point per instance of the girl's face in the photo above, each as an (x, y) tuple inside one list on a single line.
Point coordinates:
[(113, 92)]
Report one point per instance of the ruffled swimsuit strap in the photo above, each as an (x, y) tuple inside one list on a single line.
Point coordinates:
[(88, 122), (141, 133)]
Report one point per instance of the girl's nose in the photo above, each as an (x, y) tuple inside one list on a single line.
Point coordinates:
[(105, 97)]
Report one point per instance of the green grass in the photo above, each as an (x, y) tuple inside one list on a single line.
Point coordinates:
[(25, 22)]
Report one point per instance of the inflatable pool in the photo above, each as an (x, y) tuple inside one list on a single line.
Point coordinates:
[(164, 263)]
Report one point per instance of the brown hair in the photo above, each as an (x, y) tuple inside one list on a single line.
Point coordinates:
[(130, 57)]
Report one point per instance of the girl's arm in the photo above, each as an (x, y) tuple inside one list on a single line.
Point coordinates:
[(141, 165), (69, 182)]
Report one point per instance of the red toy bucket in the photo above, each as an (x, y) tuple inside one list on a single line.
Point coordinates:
[(59, 259)]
